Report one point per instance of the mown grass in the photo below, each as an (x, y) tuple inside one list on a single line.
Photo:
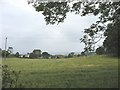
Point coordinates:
[(82, 72)]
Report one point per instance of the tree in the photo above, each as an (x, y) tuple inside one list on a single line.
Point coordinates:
[(78, 55), (111, 43), (100, 50), (10, 50), (106, 27), (82, 53), (45, 55), (32, 55), (54, 12), (71, 54), (108, 11), (0, 52), (17, 54), (5, 53), (37, 53)]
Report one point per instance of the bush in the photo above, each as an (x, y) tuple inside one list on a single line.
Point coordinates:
[(10, 78)]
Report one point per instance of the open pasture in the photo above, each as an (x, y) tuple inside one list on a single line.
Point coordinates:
[(81, 72)]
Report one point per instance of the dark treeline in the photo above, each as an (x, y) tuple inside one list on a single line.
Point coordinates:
[(37, 53)]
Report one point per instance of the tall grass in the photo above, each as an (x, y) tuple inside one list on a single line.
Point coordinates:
[(82, 72)]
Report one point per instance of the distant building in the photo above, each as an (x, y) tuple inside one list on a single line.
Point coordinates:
[(24, 56), (27, 55), (20, 56)]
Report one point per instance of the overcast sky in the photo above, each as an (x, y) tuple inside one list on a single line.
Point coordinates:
[(26, 29)]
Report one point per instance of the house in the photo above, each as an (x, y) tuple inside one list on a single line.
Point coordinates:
[(21, 56), (24, 56), (27, 56)]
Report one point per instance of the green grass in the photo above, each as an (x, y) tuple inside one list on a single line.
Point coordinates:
[(82, 72)]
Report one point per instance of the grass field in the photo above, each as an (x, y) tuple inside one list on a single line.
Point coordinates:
[(81, 72)]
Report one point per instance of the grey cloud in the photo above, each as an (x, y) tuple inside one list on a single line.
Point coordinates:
[(27, 30)]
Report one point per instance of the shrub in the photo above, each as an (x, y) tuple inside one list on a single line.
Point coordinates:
[(10, 78)]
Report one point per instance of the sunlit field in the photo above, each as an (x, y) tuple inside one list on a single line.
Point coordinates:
[(79, 72)]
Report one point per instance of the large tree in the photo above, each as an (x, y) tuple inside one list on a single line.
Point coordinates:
[(37, 52), (106, 26), (45, 55), (17, 54)]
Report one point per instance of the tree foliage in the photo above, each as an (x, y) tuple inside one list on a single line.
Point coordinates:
[(32, 55), (5, 53), (10, 78), (100, 50), (83, 54), (111, 43), (10, 50), (109, 17), (17, 54), (45, 55), (36, 53), (71, 54)]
